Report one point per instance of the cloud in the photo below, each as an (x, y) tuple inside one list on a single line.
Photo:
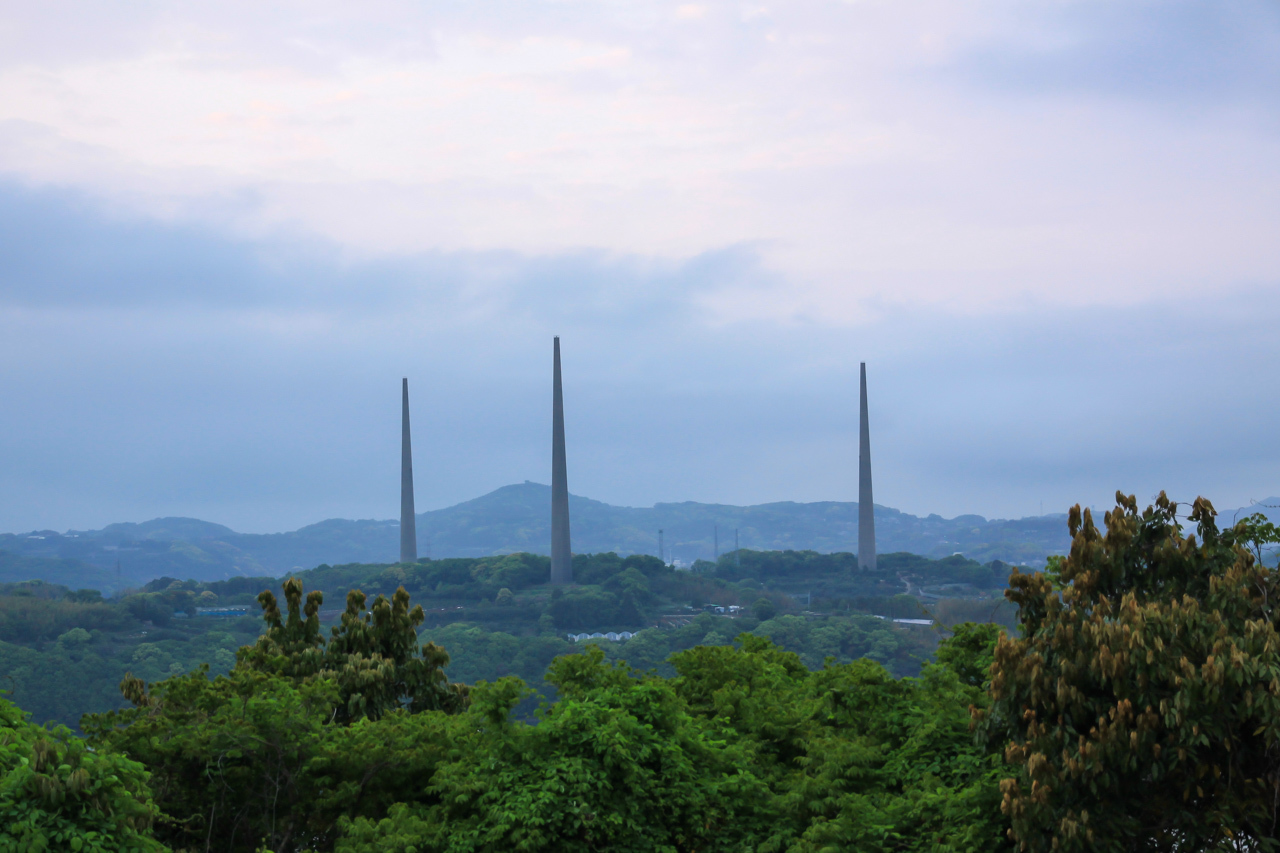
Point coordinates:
[(917, 154), (271, 404), (1188, 56), (228, 231), (62, 251)]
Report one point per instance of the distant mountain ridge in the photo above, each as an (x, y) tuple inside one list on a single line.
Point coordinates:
[(517, 518)]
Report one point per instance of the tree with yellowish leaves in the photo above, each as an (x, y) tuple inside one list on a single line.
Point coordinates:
[(1140, 708)]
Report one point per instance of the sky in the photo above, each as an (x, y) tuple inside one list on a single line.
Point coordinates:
[(228, 230)]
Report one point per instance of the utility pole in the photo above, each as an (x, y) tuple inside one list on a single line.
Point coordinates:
[(662, 553)]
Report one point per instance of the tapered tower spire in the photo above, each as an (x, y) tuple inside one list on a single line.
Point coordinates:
[(561, 556), (408, 522), (866, 509)]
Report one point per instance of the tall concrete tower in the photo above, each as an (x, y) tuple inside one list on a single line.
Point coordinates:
[(866, 509), (408, 522), (561, 556)]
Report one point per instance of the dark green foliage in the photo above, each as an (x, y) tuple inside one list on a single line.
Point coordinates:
[(970, 652), (1137, 709), (899, 606), (617, 764), (595, 568), (79, 670), (456, 577), (589, 608), (783, 564), (153, 634), (235, 755), (226, 755), (480, 655), (373, 656), (356, 741), (956, 611), (26, 619), (148, 607), (901, 650), (764, 609), (746, 750), (837, 576), (956, 569)]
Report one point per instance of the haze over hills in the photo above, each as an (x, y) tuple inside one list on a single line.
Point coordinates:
[(514, 518)]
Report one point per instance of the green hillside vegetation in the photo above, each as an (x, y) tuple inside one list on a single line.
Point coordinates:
[(16, 568), (1134, 707), (496, 613)]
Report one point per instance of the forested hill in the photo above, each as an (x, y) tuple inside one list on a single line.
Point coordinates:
[(516, 518)]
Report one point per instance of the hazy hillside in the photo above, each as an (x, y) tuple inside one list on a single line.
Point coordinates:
[(517, 518), (15, 568), (509, 519)]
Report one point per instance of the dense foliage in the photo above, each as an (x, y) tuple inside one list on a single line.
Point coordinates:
[(1136, 708), (495, 613), (1141, 705), (745, 747), (55, 794), (480, 654)]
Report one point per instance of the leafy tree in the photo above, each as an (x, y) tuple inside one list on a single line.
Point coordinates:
[(57, 795), (85, 596), (970, 652), (291, 645), (595, 568), (1141, 705), (764, 609), (149, 607), (857, 759), (228, 756), (617, 764), (379, 665), (373, 656), (590, 608), (250, 758)]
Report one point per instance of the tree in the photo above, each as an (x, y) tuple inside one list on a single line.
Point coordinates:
[(258, 757), (228, 756), (1141, 705), (373, 656), (857, 760), (379, 665), (764, 609), (57, 795), (970, 651), (616, 764)]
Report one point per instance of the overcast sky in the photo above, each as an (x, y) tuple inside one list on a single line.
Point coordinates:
[(1051, 229)]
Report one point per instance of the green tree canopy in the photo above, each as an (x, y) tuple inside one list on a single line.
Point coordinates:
[(1141, 705), (373, 655), (55, 794)]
